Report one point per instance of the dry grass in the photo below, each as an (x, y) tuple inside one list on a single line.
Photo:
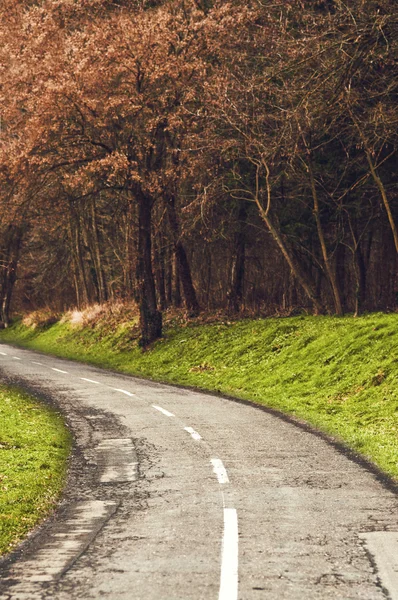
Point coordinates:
[(102, 315), (41, 318)]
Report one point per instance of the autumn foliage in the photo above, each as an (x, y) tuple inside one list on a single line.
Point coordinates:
[(210, 154)]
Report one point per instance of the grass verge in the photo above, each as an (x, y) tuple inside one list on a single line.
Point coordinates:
[(338, 373), (34, 446)]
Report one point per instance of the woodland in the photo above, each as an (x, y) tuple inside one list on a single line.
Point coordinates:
[(210, 155)]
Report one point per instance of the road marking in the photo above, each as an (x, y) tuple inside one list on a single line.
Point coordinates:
[(193, 433), (123, 392), (219, 470), (229, 557), (90, 380), (163, 410), (58, 370), (3, 353), (383, 546), (17, 358), (37, 363)]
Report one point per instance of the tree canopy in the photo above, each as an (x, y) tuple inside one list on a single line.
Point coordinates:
[(206, 153)]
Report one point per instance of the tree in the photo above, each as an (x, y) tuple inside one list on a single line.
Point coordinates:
[(199, 151)]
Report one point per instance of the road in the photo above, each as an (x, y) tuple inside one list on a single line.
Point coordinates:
[(177, 494)]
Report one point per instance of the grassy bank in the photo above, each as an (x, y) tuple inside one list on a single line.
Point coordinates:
[(339, 374), (34, 445)]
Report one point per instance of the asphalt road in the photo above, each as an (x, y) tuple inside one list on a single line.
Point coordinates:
[(175, 494)]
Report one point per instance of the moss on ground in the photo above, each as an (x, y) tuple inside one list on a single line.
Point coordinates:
[(338, 373)]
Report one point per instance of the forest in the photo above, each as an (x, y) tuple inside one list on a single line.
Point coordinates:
[(210, 155)]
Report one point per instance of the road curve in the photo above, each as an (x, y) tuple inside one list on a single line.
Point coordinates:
[(179, 495)]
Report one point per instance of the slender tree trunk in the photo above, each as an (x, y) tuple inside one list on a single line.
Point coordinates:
[(74, 236), (176, 288), (377, 181), (340, 269), (188, 289), (360, 280), (235, 291), (159, 271), (329, 271), (10, 279), (383, 194), (292, 292), (75, 270), (209, 274), (169, 275), (127, 279), (76, 286), (101, 281), (302, 277), (129, 255), (359, 271), (150, 317), (13, 237)]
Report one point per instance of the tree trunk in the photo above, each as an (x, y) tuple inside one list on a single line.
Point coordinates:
[(129, 255), (9, 282), (169, 275), (76, 286), (329, 271), (190, 299), (150, 317), (237, 276), (176, 285), (359, 271), (209, 274), (74, 236), (383, 194), (10, 262), (95, 242), (360, 280), (160, 271), (302, 277), (378, 181)]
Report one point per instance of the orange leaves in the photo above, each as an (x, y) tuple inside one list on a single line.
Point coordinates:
[(110, 171)]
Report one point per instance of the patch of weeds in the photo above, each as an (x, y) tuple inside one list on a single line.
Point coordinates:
[(201, 368), (378, 378)]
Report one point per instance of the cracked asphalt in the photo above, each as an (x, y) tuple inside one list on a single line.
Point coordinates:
[(178, 494)]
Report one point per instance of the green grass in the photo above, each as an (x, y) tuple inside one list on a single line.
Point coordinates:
[(34, 446), (339, 374)]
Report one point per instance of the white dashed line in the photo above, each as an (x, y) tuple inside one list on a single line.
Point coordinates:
[(229, 557), (3, 354), (58, 370), (219, 470), (36, 363), (17, 358), (90, 380), (163, 410), (124, 392), (193, 433)]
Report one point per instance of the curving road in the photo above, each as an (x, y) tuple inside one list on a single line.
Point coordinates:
[(175, 494)]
